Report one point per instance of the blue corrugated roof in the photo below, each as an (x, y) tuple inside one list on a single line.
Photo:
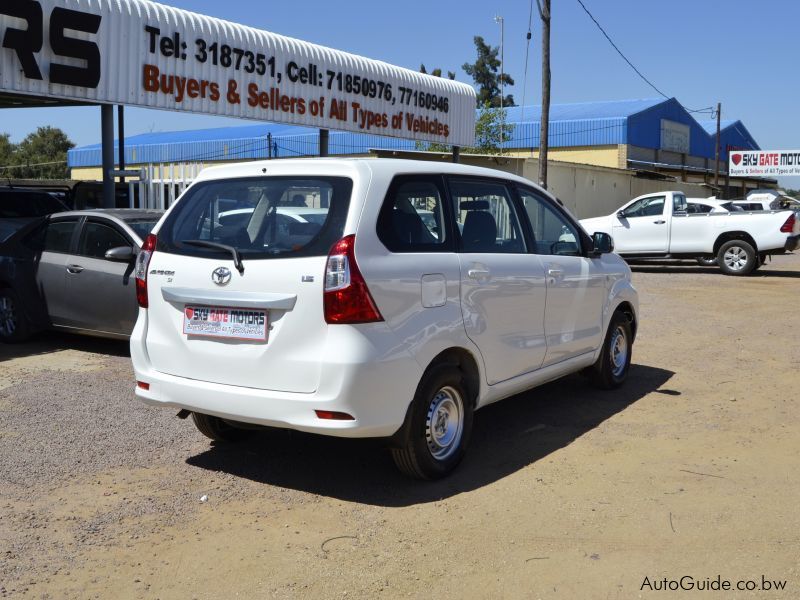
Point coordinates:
[(583, 110), (636, 122)]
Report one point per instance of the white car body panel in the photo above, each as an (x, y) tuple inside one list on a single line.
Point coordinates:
[(535, 319)]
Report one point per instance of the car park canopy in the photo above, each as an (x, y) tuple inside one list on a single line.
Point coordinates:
[(139, 53)]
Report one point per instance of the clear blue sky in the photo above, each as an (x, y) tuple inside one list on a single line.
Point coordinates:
[(738, 52)]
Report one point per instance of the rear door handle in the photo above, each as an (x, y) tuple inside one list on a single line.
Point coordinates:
[(477, 273), (659, 222), (74, 268), (554, 272)]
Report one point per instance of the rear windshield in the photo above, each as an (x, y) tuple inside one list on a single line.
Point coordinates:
[(262, 217), (142, 227), (26, 205)]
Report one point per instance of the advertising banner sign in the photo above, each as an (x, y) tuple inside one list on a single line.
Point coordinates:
[(138, 53), (764, 163)]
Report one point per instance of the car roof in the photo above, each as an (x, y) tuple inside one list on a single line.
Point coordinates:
[(305, 166), (122, 214)]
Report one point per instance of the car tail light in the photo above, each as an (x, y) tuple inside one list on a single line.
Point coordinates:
[(143, 385), (788, 227), (140, 272), (346, 296)]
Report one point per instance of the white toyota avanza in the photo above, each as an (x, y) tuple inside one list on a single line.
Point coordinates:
[(372, 298)]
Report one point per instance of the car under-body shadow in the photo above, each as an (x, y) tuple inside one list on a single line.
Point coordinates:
[(48, 342), (507, 436)]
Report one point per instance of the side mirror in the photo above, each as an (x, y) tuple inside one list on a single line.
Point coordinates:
[(120, 254), (602, 243), (621, 215)]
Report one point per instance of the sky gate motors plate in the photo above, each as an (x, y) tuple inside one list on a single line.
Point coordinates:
[(223, 322)]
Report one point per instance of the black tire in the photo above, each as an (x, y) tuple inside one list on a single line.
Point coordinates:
[(218, 429), (440, 428), (14, 326), (611, 368), (706, 262), (737, 257)]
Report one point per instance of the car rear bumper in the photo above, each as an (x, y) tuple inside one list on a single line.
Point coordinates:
[(375, 390)]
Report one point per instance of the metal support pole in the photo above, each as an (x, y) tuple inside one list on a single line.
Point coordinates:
[(269, 145), (121, 139), (544, 13), (456, 153), (107, 136), (716, 153), (323, 142)]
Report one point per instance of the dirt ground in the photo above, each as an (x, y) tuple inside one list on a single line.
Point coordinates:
[(690, 470)]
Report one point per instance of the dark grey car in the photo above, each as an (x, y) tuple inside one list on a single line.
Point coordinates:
[(20, 206), (73, 271)]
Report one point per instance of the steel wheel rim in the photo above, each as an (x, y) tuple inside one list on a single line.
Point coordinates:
[(8, 317), (735, 258), (619, 351), (444, 424)]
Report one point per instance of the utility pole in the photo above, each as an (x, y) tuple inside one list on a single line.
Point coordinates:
[(500, 20), (716, 153), (544, 13)]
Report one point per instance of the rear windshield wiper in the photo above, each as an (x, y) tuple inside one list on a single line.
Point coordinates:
[(237, 257)]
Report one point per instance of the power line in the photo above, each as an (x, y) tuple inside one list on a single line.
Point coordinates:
[(41, 164), (709, 109)]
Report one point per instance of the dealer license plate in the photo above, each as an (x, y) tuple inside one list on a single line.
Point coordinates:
[(224, 322)]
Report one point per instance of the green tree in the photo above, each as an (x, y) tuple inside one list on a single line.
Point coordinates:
[(46, 145), (484, 71), (6, 150), (490, 130), (437, 72)]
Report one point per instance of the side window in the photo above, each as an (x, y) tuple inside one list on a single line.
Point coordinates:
[(412, 217), (646, 207), (58, 235), (97, 239), (552, 232), (486, 218), (678, 203), (696, 208)]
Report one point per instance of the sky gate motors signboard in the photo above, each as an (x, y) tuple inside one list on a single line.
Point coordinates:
[(765, 163), (136, 52)]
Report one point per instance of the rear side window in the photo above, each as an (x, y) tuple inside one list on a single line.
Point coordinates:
[(58, 236), (97, 239), (485, 216), (412, 217), (263, 217)]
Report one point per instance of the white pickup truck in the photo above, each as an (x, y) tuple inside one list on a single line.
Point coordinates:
[(659, 226)]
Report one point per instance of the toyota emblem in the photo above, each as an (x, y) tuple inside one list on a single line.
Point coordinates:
[(221, 275)]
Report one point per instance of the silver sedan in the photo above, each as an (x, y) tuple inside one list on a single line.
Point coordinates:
[(73, 271)]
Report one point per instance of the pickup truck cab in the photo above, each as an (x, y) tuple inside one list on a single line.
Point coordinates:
[(660, 226)]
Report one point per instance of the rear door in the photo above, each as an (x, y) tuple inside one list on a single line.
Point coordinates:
[(261, 327), (643, 226), (51, 269), (576, 285), (101, 294), (502, 285)]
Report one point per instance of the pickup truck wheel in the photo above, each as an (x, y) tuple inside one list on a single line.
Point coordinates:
[(737, 257), (611, 368), (441, 424), (706, 262), (218, 429), (13, 323)]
